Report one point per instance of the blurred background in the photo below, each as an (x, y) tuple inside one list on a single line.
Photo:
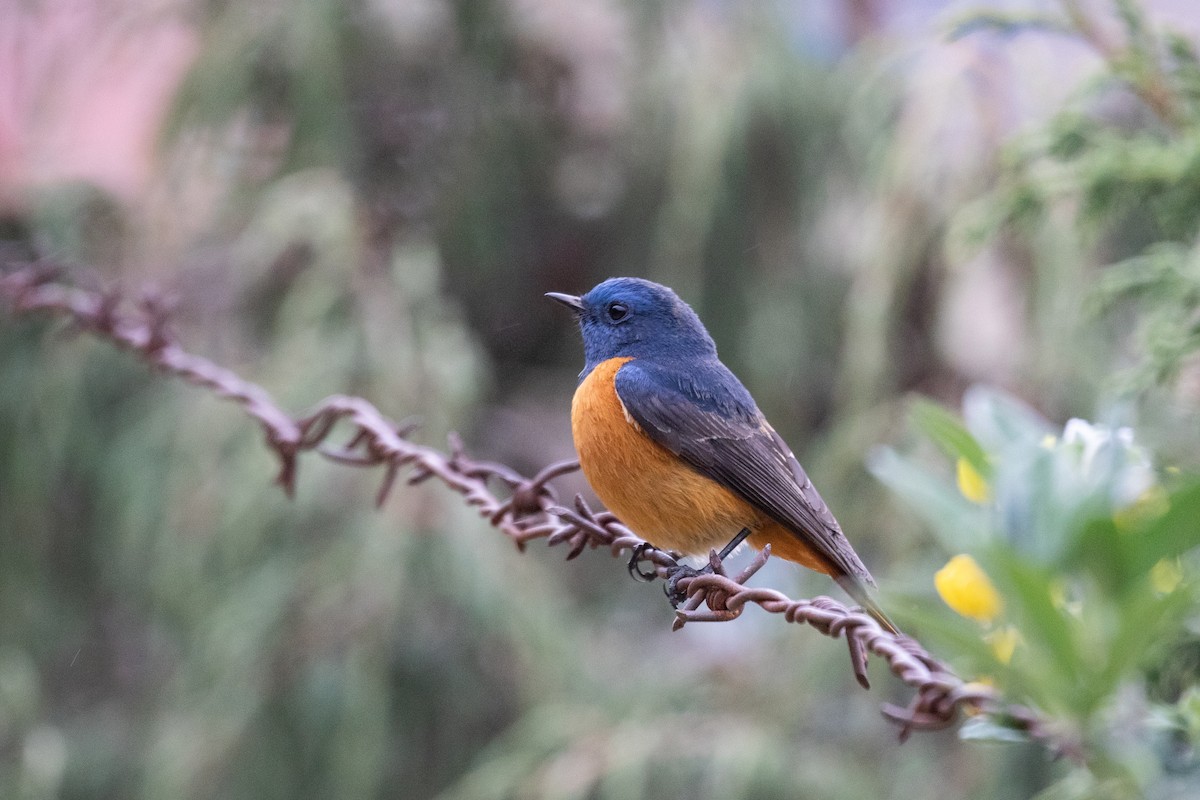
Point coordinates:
[(863, 199)]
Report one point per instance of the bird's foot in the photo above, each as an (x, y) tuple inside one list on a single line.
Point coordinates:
[(677, 573), (680, 571)]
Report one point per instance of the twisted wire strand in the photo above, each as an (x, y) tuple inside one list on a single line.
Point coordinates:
[(526, 509)]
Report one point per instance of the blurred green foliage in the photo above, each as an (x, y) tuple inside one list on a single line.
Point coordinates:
[(370, 197), (1084, 546)]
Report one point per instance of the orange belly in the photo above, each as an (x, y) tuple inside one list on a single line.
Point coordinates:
[(658, 495), (651, 490), (788, 546)]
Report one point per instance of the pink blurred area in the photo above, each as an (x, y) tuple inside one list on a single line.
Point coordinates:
[(85, 86)]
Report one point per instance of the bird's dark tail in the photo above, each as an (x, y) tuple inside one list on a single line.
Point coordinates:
[(862, 595)]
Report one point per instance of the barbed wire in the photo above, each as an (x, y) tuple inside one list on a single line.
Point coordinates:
[(526, 509)]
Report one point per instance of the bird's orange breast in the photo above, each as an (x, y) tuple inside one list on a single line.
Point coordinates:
[(654, 492)]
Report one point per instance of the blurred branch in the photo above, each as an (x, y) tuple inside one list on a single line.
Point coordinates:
[(1135, 60), (529, 508)]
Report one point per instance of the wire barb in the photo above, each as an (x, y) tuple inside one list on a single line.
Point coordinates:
[(525, 510)]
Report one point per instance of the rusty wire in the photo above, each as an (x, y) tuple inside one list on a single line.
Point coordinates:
[(529, 510)]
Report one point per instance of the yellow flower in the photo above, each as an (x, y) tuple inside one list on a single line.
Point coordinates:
[(966, 588), (1004, 643), (973, 485), (1166, 575)]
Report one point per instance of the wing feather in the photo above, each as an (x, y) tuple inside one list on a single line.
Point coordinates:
[(708, 419)]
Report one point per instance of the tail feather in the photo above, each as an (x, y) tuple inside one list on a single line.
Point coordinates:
[(855, 588)]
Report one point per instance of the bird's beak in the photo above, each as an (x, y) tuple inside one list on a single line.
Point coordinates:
[(569, 300)]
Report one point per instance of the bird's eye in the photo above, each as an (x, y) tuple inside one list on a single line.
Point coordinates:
[(617, 311)]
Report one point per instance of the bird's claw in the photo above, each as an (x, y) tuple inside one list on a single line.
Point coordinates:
[(635, 568), (680, 571)]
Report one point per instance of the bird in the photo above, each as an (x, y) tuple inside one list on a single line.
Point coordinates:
[(674, 445)]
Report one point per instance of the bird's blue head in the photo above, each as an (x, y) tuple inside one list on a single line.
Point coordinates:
[(636, 318)]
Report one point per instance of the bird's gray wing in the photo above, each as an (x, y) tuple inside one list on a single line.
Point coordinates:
[(715, 427)]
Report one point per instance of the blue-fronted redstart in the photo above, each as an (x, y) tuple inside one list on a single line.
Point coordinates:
[(676, 447)]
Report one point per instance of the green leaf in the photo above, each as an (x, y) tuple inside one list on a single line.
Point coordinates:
[(1160, 267), (1143, 621), (999, 421), (987, 728), (1006, 23), (1121, 559), (1026, 589), (1099, 550), (1172, 534), (945, 429), (958, 524), (1022, 679)]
